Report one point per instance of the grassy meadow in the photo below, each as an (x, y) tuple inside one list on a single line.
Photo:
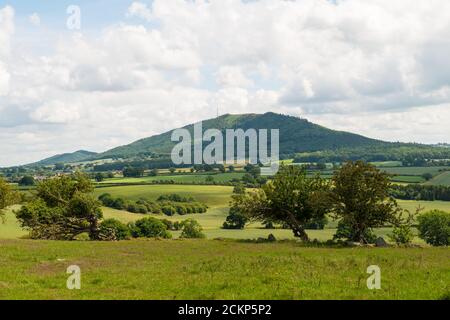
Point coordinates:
[(225, 265), (208, 269)]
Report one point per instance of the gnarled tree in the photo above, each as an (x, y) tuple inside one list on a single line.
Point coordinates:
[(291, 199), (62, 209)]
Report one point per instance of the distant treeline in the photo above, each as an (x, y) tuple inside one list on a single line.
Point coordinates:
[(421, 192), (142, 164), (412, 155)]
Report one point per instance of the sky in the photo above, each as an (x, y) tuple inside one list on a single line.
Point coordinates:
[(126, 70)]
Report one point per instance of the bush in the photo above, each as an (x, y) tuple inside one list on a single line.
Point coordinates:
[(150, 228), (402, 234), (119, 204), (169, 210), (344, 231), (113, 229), (106, 199), (192, 230), (434, 227), (27, 181), (235, 219)]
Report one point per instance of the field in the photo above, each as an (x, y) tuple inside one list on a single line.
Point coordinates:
[(208, 269), (178, 178), (442, 179), (217, 198), (229, 264)]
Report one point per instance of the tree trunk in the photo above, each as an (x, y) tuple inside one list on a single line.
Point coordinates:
[(300, 233)]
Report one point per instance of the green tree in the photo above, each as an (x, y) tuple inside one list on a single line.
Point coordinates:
[(150, 228), (192, 230), (172, 170), (434, 227), (235, 219), (27, 181), (99, 177), (114, 230), (361, 199), (62, 208), (290, 199), (8, 196)]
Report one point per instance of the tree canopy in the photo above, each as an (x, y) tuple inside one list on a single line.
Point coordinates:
[(61, 209)]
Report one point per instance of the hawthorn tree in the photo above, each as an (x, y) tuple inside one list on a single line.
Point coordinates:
[(290, 199), (62, 208), (361, 200)]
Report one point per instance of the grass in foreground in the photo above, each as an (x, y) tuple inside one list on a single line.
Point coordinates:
[(208, 269)]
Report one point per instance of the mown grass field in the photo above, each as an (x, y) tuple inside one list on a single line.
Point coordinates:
[(185, 178), (208, 269), (441, 179)]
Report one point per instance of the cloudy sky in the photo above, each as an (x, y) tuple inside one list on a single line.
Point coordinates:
[(376, 67)]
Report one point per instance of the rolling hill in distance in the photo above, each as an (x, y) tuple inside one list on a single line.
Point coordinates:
[(297, 135), (77, 156)]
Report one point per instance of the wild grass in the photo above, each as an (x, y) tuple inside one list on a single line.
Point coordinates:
[(208, 269)]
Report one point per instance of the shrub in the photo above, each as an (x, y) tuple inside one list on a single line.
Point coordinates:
[(106, 199), (434, 227), (119, 204), (235, 219), (169, 210), (113, 229), (150, 228), (345, 231), (402, 234), (192, 230)]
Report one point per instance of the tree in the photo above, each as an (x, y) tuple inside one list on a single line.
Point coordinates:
[(361, 199), (427, 176), (131, 172), (235, 219), (63, 208), (99, 177), (154, 173), (192, 230), (172, 170), (59, 166), (434, 227), (290, 199), (114, 230), (26, 181), (8, 196), (231, 169), (150, 228)]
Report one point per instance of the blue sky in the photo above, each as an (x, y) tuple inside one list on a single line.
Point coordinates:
[(138, 68)]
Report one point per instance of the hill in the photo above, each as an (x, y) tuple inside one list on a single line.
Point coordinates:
[(77, 156), (296, 135)]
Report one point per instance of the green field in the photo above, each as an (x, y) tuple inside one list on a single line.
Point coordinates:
[(179, 178), (414, 171), (441, 179), (213, 196), (208, 269), (217, 198)]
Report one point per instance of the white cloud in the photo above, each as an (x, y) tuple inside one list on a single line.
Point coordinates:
[(35, 20), (380, 68), (6, 31), (140, 10), (231, 76)]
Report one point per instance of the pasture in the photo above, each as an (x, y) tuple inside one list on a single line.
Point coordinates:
[(177, 178), (208, 269), (217, 198), (441, 179)]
